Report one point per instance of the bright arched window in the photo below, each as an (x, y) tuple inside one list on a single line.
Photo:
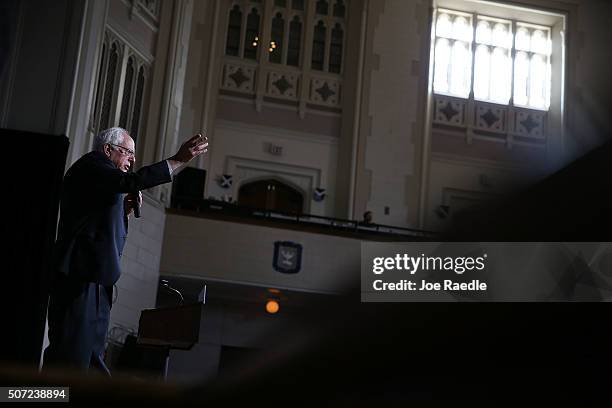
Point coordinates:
[(501, 66), (508, 66), (442, 64), (461, 69), (521, 74), (482, 72)]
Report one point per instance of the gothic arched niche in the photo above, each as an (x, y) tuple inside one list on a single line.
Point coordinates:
[(252, 34), (335, 51), (322, 7), (232, 46), (271, 194), (339, 9), (278, 32), (127, 93), (100, 85), (295, 42), (109, 89), (318, 46), (135, 128)]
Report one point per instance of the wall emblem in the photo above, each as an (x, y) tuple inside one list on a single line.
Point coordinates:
[(319, 194), (287, 257), (226, 181)]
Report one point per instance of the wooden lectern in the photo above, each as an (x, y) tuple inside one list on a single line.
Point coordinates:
[(170, 328)]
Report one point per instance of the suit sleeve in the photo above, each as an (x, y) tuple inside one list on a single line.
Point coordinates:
[(106, 177)]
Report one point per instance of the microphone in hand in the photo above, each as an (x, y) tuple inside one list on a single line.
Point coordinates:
[(137, 206), (132, 202), (137, 195)]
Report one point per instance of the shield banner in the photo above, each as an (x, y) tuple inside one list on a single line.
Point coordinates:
[(287, 257)]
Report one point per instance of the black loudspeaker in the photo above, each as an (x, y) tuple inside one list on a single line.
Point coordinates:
[(188, 187), (34, 168)]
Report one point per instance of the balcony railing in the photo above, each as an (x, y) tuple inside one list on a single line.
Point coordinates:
[(232, 211)]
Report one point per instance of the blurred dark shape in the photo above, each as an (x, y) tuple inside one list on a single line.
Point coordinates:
[(188, 188), (146, 362), (367, 218), (571, 205), (271, 195), (7, 11), (34, 166)]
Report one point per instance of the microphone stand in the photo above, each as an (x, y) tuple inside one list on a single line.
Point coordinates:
[(165, 284)]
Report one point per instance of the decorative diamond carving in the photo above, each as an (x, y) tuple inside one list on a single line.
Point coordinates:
[(490, 118), (282, 85), (530, 123), (325, 91), (238, 78), (449, 111)]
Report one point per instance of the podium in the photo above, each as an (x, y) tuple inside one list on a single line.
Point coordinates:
[(170, 328)]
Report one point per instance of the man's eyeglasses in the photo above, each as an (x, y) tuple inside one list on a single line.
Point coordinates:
[(125, 151)]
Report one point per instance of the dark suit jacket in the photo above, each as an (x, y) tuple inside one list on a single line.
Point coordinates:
[(93, 226)]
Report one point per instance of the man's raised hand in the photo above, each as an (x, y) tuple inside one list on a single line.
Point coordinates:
[(192, 148)]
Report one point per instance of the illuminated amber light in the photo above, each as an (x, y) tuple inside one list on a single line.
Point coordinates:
[(272, 306)]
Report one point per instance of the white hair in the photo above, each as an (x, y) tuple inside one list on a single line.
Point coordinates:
[(114, 135)]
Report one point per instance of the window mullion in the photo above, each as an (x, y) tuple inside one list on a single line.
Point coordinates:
[(265, 37), (243, 28), (120, 76), (471, 110), (473, 49), (490, 50), (132, 101), (102, 85), (512, 58), (286, 32), (329, 22), (449, 67), (511, 111), (529, 71)]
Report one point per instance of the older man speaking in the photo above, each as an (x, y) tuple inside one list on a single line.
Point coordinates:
[(99, 194)]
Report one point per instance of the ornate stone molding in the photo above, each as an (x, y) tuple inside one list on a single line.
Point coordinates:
[(472, 118), (239, 77), (325, 91), (449, 111), (282, 85)]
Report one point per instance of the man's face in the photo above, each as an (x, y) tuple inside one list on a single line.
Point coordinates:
[(122, 154)]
